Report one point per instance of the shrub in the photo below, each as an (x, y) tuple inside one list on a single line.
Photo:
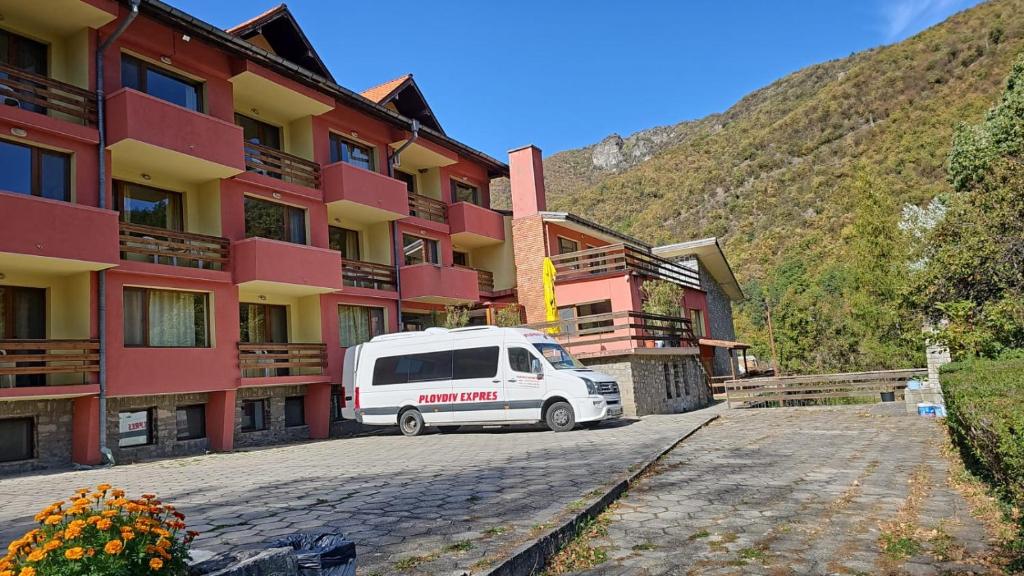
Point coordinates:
[(985, 406), (102, 532), (456, 316), (509, 316)]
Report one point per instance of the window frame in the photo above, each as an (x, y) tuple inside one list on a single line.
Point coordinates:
[(119, 198), (559, 238), (412, 184), (291, 400), (33, 449), (146, 320), (495, 349), (456, 184), (369, 310), (345, 156), (268, 322), (347, 232), (423, 251), (145, 65), (261, 128), (286, 216), (697, 325), (35, 167), (264, 404), (185, 408)]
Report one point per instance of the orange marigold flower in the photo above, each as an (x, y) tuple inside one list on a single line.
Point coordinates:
[(52, 545), (109, 513), (178, 515), (113, 547), (164, 543), (117, 493), (27, 571), (156, 564), (53, 519), (162, 532), (36, 556), (103, 487), (72, 532), (127, 534), (75, 553), (90, 552), (93, 519), (6, 572), (104, 524), (163, 553)]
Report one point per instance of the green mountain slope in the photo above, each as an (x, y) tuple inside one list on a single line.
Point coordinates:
[(805, 180)]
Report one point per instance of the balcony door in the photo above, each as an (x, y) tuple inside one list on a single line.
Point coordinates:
[(345, 241), (22, 317), (264, 324), (26, 55)]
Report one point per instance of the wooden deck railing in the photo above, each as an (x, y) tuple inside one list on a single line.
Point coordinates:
[(281, 165), (41, 94), (600, 334), (42, 357), (359, 274), (619, 258), (485, 280), (162, 246), (281, 359), (428, 208), (815, 388)]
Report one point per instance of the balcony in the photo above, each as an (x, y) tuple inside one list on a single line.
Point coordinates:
[(55, 237), (359, 274), (428, 208), (621, 259), (282, 166), (48, 368), (262, 265), (623, 332), (282, 360), (172, 248), (440, 284), (474, 226), (147, 134), (362, 195), (37, 93)]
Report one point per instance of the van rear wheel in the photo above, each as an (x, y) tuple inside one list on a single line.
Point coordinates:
[(411, 422), (560, 417)]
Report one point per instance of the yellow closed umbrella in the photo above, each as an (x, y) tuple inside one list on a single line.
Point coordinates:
[(550, 305)]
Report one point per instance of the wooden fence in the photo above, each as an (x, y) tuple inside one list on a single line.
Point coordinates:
[(811, 389), (281, 165), (619, 258)]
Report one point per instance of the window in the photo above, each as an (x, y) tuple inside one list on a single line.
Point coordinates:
[(27, 55), (557, 356), (337, 402), (475, 363), (166, 318), (257, 132), (345, 241), (274, 221), (35, 171), (350, 152), (566, 246), (191, 421), (159, 83), (358, 324), (465, 193), (520, 360), (425, 367), (259, 323), (667, 376), (419, 250), (409, 179), (254, 415), (148, 206), (697, 322), (17, 439), (136, 428), (593, 308), (295, 411), (460, 259)]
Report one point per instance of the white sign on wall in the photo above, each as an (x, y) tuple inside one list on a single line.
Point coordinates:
[(134, 428)]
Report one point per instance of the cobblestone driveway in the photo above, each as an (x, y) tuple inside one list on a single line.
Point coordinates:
[(796, 491), (435, 504)]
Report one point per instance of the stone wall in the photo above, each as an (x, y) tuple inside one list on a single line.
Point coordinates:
[(165, 433), (276, 432), (52, 433), (655, 383), (720, 319)]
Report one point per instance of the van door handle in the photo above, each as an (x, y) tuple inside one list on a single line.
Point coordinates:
[(512, 380), (496, 381)]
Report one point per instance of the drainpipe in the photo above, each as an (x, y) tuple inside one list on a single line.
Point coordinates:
[(394, 161), (101, 281)]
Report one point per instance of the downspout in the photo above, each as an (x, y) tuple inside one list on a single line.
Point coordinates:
[(101, 281), (394, 161)]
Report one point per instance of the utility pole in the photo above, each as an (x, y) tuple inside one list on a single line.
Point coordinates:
[(771, 339)]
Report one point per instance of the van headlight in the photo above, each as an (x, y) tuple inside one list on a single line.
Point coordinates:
[(591, 387)]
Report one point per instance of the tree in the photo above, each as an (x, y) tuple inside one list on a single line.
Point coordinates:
[(663, 298)]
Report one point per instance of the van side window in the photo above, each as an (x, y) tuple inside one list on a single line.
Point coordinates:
[(475, 363), (412, 368), (520, 360)]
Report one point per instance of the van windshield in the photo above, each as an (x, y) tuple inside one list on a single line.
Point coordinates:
[(557, 356)]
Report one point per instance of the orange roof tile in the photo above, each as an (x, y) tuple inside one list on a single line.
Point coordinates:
[(254, 19), (381, 91)]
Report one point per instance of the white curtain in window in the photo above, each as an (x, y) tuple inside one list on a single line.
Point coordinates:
[(172, 318), (354, 325)]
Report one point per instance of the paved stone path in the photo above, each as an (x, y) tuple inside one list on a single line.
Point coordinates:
[(796, 491), (436, 504)]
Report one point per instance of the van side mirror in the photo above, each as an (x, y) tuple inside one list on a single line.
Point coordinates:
[(536, 367)]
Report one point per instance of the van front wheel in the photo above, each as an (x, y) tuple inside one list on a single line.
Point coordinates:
[(411, 422), (560, 417)]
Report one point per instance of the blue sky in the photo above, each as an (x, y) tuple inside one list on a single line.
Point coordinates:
[(564, 74)]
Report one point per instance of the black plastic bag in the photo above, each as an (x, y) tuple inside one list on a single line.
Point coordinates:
[(322, 553)]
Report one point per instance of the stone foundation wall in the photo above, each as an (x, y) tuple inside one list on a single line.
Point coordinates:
[(656, 383), (165, 442), (720, 320), (276, 431), (52, 433)]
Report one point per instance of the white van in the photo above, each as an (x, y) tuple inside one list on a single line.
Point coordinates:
[(477, 375)]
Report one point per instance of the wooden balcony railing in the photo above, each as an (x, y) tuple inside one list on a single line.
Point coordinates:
[(281, 165), (485, 279), (162, 246), (27, 362), (599, 334), (618, 258), (359, 274), (428, 208), (38, 93), (270, 359)]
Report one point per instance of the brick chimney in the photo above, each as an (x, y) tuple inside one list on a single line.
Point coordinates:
[(526, 176)]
